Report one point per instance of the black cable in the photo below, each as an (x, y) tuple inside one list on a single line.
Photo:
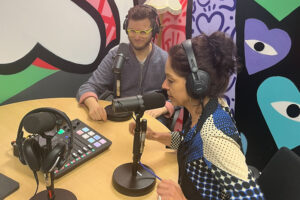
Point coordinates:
[(37, 182)]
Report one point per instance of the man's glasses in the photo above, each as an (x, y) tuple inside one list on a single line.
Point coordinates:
[(142, 33)]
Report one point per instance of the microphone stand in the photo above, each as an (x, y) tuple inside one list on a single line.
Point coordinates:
[(131, 178), (112, 116), (136, 144), (117, 90), (49, 184), (52, 193)]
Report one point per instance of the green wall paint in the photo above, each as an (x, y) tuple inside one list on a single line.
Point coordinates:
[(279, 8), (11, 85)]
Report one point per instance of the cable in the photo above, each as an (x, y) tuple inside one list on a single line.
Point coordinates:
[(37, 182), (150, 171)]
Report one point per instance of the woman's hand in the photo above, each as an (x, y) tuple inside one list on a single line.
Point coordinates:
[(157, 112), (151, 135), (169, 190), (162, 137)]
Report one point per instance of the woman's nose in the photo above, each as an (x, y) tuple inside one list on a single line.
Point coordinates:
[(165, 85)]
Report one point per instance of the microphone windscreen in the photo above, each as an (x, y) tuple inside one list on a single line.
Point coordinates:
[(123, 48), (40, 122), (120, 58), (153, 100)]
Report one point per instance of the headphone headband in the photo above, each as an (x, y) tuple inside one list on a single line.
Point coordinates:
[(155, 26), (62, 115), (187, 45), (198, 80)]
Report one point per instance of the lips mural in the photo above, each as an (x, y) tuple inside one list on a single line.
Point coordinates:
[(49, 39), (53, 38)]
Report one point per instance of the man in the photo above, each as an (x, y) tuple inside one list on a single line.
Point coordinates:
[(141, 73)]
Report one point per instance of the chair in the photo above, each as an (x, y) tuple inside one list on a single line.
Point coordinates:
[(280, 179), (255, 172), (244, 143), (177, 120)]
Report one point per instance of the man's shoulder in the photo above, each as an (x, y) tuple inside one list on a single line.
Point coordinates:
[(114, 49), (158, 48), (160, 51)]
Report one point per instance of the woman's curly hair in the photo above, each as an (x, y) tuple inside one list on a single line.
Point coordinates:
[(216, 54)]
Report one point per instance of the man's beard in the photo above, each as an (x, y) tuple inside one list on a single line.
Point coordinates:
[(142, 47)]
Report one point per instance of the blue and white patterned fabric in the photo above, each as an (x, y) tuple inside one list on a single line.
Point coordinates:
[(215, 164)]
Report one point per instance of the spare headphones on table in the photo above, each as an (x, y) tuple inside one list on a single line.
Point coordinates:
[(197, 81), (30, 151), (156, 26)]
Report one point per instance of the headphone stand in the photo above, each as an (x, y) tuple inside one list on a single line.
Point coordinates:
[(60, 194), (51, 193)]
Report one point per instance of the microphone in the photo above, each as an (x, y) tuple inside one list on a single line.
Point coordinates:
[(40, 122), (138, 103), (119, 59)]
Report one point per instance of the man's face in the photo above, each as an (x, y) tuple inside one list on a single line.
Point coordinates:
[(139, 33)]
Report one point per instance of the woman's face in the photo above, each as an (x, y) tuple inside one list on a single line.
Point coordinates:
[(175, 86)]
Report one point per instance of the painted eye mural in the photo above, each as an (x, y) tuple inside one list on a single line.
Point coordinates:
[(263, 47), (281, 112), (54, 43), (288, 109), (267, 89)]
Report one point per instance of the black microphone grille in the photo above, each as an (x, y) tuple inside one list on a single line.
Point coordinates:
[(153, 100), (123, 49), (39, 122)]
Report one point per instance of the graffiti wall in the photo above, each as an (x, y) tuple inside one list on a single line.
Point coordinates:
[(268, 98), (215, 15), (265, 99), (49, 48)]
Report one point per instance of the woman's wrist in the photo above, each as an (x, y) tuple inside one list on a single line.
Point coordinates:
[(162, 137)]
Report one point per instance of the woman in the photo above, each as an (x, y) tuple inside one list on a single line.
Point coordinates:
[(211, 163)]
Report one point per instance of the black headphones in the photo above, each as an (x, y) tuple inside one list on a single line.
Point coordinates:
[(156, 26), (197, 81), (31, 153)]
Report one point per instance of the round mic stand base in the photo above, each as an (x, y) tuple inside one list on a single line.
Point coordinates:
[(127, 184), (60, 194), (117, 117)]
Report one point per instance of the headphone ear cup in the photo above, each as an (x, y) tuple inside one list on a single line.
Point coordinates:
[(190, 86), (32, 154), (155, 30), (53, 157), (197, 86), (125, 24), (156, 26), (19, 141)]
